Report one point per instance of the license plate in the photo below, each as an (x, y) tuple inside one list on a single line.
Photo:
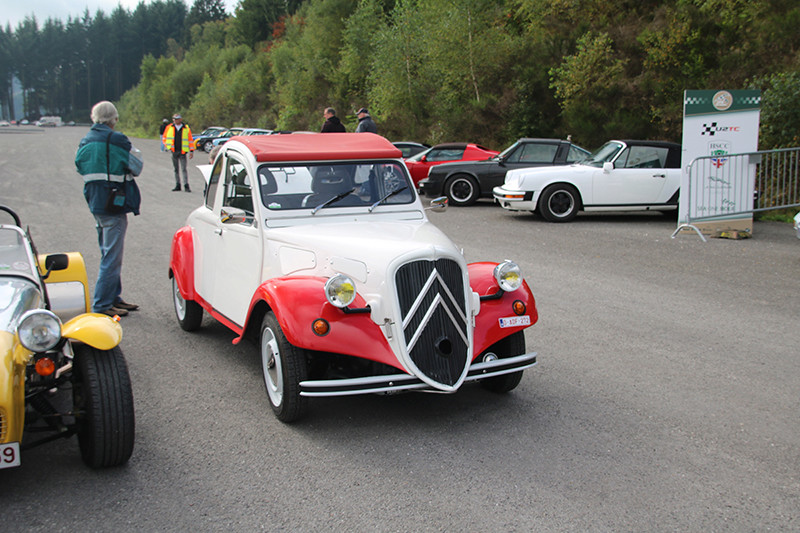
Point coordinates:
[(9, 455), (514, 321)]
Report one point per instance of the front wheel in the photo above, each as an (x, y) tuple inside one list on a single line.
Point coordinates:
[(559, 203), (188, 312), (284, 367), (510, 346), (462, 190), (103, 403)]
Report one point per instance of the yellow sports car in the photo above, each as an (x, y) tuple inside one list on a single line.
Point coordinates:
[(62, 372)]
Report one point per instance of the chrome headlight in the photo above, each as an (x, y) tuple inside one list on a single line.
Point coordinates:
[(340, 290), (39, 330), (508, 276)]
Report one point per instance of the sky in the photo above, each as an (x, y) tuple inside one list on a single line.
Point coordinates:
[(14, 11)]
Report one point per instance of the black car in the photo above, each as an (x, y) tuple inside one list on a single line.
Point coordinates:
[(205, 139), (410, 148), (464, 182)]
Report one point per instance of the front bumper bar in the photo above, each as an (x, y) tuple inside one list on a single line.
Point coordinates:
[(407, 382)]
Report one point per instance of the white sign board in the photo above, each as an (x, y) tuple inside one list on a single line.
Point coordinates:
[(717, 191)]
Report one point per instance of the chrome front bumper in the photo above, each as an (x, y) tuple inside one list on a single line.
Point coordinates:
[(407, 382)]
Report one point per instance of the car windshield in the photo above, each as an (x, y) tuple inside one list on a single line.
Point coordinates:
[(334, 185), (504, 154), (604, 154)]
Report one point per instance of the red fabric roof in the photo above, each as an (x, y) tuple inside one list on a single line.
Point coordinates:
[(319, 147)]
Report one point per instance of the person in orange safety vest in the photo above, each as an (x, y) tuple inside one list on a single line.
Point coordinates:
[(178, 140)]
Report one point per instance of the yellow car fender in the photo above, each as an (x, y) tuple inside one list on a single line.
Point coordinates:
[(13, 358), (96, 330)]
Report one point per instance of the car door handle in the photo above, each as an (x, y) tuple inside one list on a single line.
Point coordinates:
[(659, 175), (218, 231)]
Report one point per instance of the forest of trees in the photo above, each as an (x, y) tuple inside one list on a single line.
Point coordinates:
[(487, 71)]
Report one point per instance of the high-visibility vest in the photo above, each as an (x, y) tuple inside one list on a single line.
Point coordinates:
[(187, 141)]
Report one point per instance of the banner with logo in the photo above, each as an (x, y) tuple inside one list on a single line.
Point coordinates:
[(716, 124)]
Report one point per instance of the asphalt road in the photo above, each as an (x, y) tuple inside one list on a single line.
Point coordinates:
[(666, 398)]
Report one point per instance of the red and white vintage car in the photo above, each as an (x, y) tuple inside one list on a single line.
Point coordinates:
[(319, 249)]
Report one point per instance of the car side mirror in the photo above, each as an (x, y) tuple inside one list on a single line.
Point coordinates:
[(439, 205), (55, 262), (423, 158), (232, 215), (608, 167)]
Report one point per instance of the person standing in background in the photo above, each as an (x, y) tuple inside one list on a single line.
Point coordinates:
[(105, 161), (164, 124), (178, 140), (332, 123), (365, 122)]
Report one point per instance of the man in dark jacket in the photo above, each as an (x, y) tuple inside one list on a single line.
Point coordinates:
[(365, 122), (105, 161), (332, 123)]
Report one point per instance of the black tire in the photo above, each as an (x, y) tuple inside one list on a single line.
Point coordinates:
[(284, 366), (207, 146), (188, 312), (103, 403), (559, 203), (510, 346), (462, 190)]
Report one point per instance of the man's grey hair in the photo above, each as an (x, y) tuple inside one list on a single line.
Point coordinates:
[(105, 113), (330, 110)]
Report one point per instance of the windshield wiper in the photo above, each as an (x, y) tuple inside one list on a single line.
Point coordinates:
[(386, 197), (332, 200)]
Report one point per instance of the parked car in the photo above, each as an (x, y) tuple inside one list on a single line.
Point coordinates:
[(464, 182), (223, 138), (4, 123), (418, 165), (244, 133), (62, 372), (409, 148), (620, 176), (318, 248), (203, 140)]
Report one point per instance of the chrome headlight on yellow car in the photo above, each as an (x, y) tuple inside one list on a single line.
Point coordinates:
[(39, 330), (340, 290), (508, 276)]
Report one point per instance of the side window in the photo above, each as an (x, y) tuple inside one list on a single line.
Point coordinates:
[(645, 157), (238, 190), (514, 156), (538, 153), (213, 182), (575, 154), (445, 154)]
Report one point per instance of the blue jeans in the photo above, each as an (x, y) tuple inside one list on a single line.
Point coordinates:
[(111, 237)]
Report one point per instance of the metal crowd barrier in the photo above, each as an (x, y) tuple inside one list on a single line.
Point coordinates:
[(727, 186)]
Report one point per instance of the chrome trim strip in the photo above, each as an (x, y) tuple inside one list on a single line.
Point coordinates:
[(405, 382)]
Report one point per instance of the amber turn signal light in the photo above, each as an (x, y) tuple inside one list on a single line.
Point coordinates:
[(321, 327), (519, 308), (45, 366)]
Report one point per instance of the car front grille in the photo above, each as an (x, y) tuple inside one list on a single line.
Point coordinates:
[(434, 317)]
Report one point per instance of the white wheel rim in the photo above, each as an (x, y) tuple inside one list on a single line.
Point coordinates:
[(180, 303), (271, 365)]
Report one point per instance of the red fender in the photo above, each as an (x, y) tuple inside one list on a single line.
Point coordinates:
[(487, 323), (298, 301), (181, 262)]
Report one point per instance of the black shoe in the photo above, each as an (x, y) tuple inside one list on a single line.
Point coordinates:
[(177, 188), (122, 304), (187, 188), (114, 311)]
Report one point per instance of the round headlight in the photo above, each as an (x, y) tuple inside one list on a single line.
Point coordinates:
[(508, 276), (340, 290), (39, 330)]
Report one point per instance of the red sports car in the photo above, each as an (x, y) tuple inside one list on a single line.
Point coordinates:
[(419, 164)]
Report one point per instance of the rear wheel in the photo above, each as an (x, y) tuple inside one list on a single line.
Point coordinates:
[(284, 367), (207, 146), (103, 402), (462, 190), (559, 203), (188, 312), (510, 346)]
